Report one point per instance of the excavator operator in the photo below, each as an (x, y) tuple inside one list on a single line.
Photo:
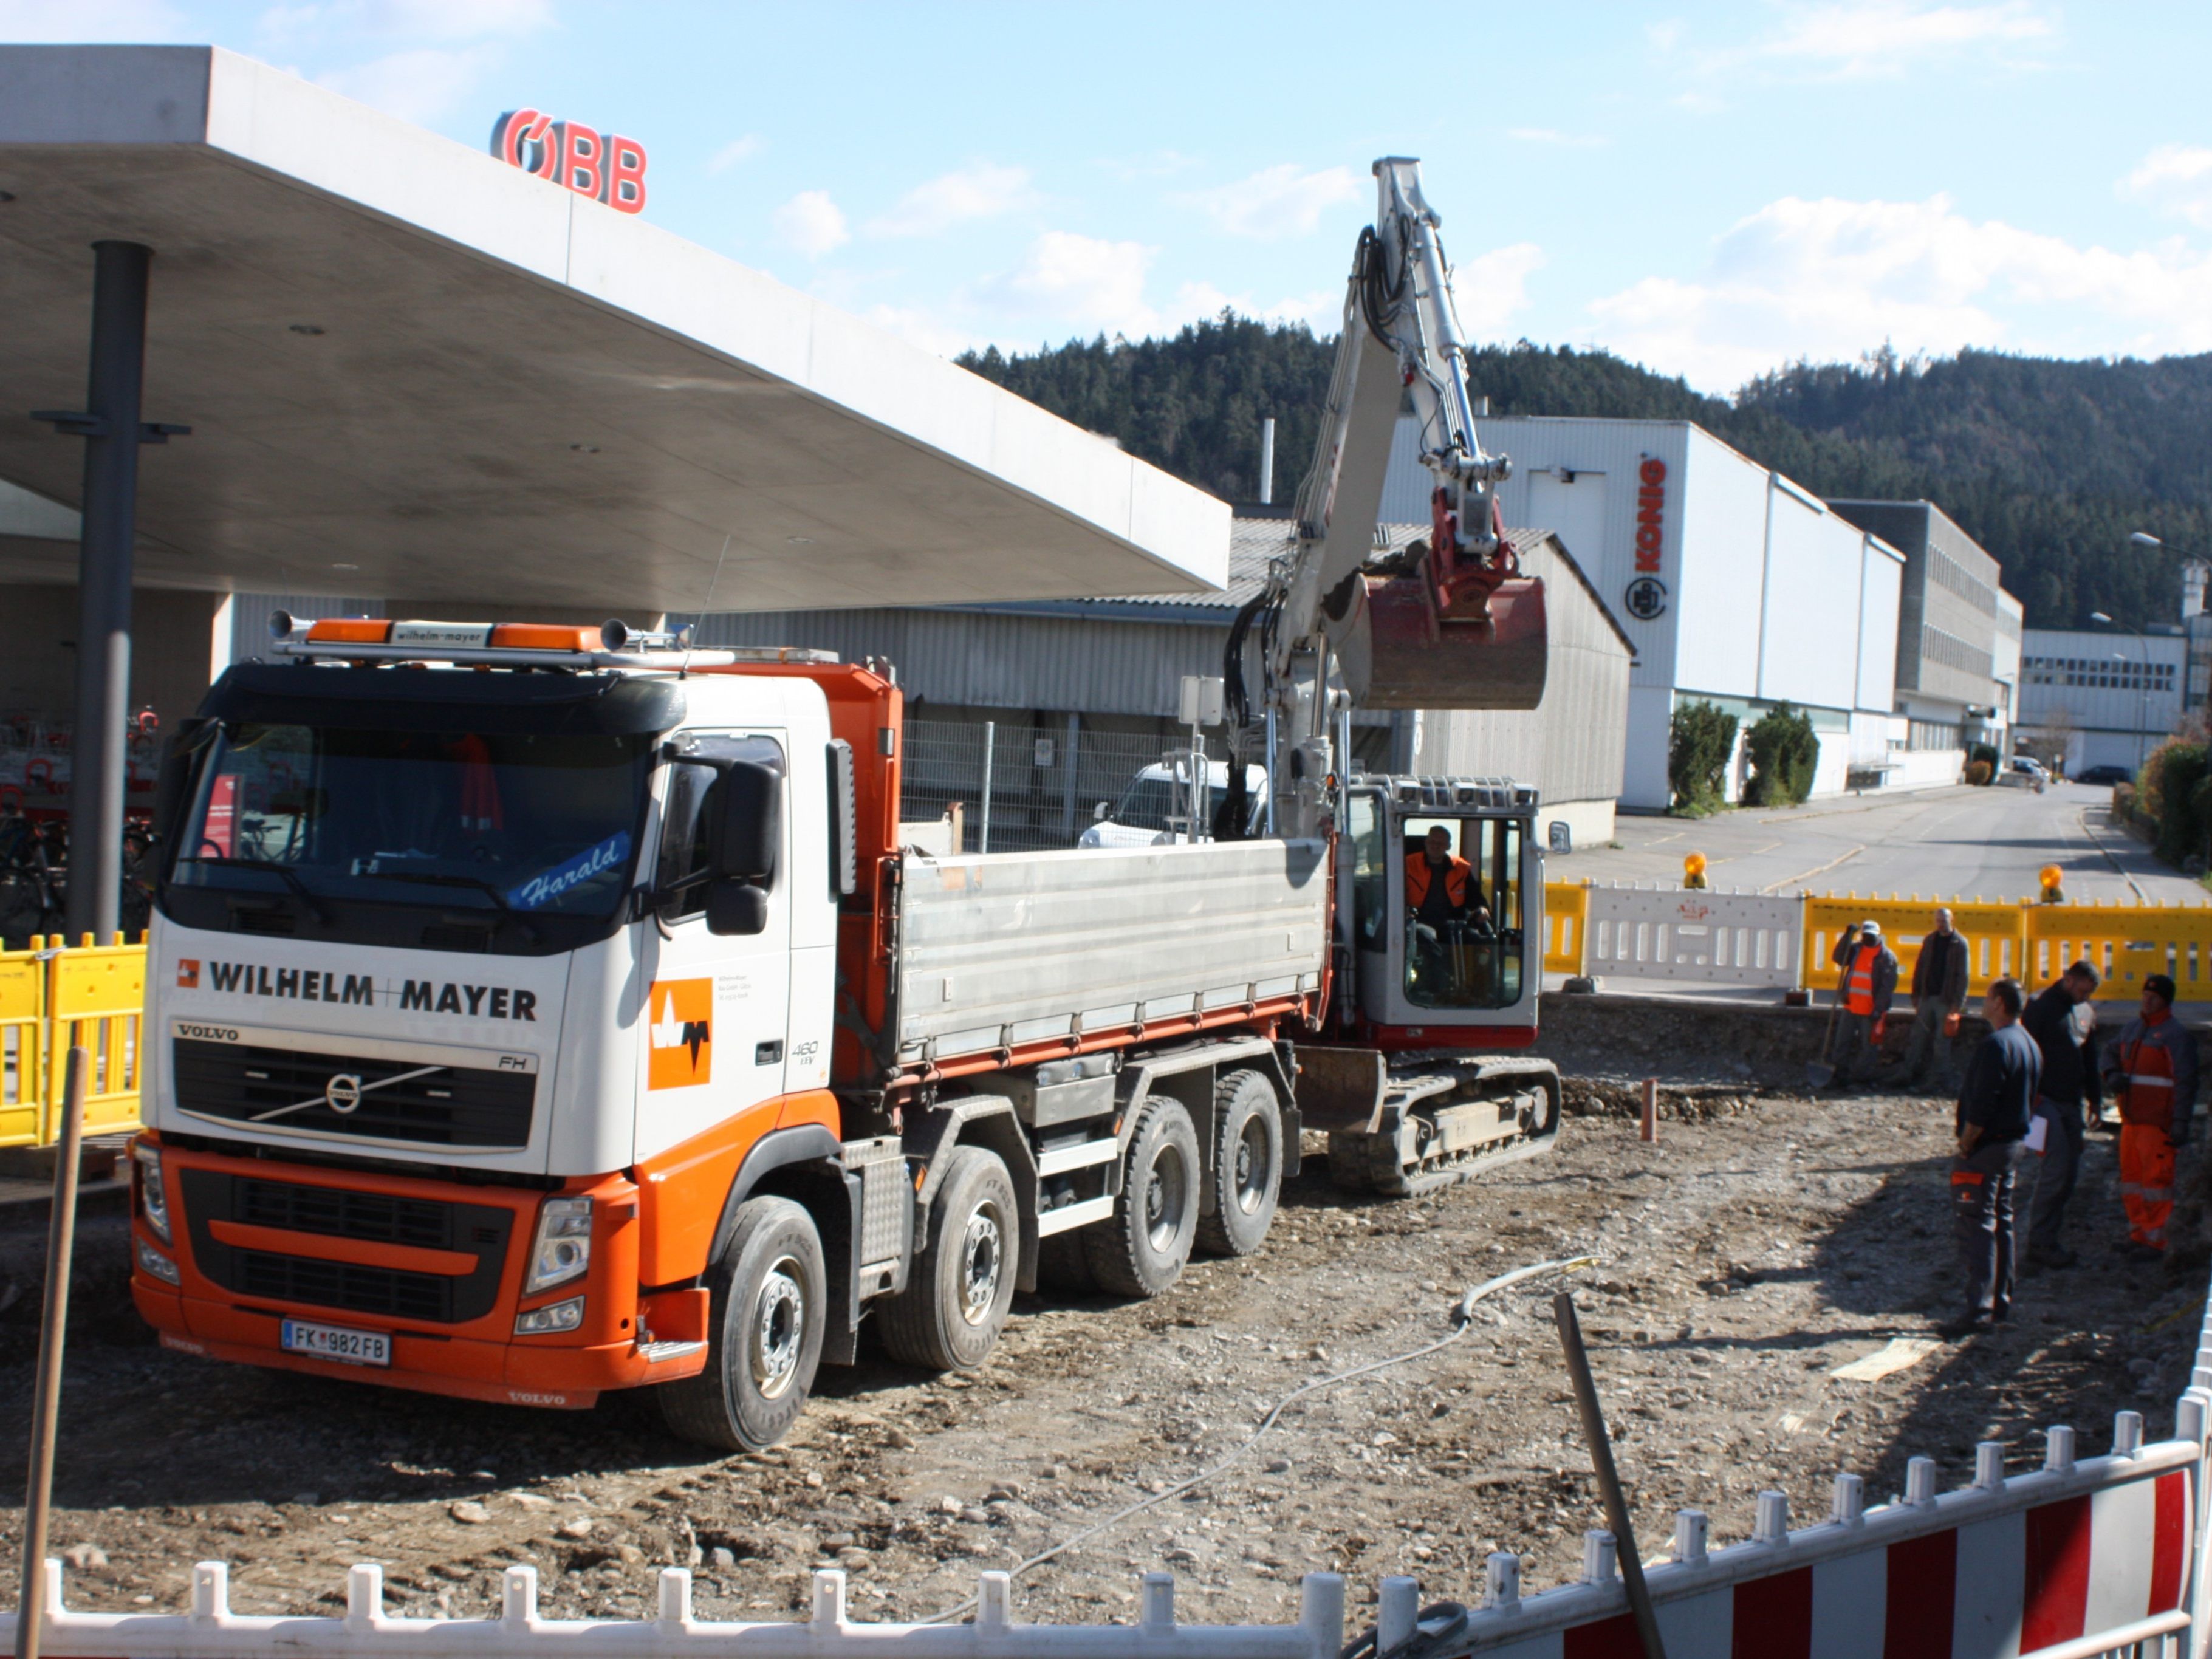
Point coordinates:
[(1446, 914), (1438, 882)]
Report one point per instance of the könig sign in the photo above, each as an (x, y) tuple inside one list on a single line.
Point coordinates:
[(609, 168)]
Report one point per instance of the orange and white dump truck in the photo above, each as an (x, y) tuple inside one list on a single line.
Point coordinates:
[(538, 1010)]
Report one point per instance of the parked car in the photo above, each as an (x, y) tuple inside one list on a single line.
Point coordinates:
[(1152, 809), (2025, 772), (2106, 773)]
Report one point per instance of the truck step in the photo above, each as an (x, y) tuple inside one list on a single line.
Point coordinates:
[(1062, 1159), (1080, 1213)]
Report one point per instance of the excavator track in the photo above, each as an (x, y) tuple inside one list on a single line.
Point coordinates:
[(1455, 1118)]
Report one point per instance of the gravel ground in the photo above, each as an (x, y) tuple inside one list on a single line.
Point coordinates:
[(1763, 1242)]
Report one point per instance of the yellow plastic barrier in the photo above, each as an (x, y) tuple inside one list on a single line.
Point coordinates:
[(1566, 918), (2125, 942), (96, 999), (23, 1045), (1995, 943)]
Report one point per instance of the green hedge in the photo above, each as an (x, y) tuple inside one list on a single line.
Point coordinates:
[(1784, 752), (1697, 756)]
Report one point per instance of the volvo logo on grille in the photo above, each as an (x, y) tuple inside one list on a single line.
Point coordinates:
[(343, 1093)]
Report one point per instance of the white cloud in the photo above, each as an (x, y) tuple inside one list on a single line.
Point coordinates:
[(453, 20), (920, 328), (1078, 282), (43, 21), (1855, 38), (1828, 279), (1276, 202), (1489, 291), (982, 191), (736, 150), (810, 222), (2176, 180), (418, 86)]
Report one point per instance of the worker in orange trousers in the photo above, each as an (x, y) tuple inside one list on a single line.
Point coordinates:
[(2152, 1072)]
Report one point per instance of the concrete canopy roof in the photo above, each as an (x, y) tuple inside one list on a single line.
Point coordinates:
[(412, 369)]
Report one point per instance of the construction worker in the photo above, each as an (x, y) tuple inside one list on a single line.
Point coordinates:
[(1992, 1122), (1939, 993), (2152, 1070), (1439, 883), (2064, 1028), (1869, 982)]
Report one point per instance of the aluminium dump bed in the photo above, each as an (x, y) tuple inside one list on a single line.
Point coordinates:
[(997, 950)]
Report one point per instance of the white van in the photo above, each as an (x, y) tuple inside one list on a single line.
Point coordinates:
[(1152, 809)]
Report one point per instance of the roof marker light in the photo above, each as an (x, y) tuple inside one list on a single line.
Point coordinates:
[(619, 636)]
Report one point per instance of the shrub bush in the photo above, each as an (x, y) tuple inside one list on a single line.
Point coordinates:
[(1698, 754), (1978, 772), (2168, 793), (1985, 756), (1784, 752)]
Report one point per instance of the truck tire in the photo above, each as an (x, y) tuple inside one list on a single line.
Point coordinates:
[(1140, 1249), (1248, 1164), (1064, 1265), (770, 1298), (950, 1315)]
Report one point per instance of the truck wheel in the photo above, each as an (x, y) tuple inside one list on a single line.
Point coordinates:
[(949, 1317), (1140, 1249), (1248, 1164), (770, 1297)]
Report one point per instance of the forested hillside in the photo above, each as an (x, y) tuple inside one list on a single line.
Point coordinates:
[(2049, 463)]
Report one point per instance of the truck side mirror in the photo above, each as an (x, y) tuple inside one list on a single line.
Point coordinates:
[(747, 825), (736, 907), (1098, 812)]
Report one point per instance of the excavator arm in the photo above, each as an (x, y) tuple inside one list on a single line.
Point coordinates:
[(1451, 623)]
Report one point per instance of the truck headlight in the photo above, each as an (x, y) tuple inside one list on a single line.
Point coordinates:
[(563, 1247), (151, 1261), (554, 1317), (153, 1196)]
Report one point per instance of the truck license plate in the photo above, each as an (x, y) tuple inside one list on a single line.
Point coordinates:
[(336, 1342)]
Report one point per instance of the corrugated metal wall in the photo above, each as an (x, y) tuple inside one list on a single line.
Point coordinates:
[(992, 660)]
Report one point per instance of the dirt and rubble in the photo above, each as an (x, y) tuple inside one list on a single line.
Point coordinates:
[(1765, 1241)]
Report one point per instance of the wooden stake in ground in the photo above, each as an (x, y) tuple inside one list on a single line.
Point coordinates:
[(1650, 1129), (46, 1407), (1608, 1477)]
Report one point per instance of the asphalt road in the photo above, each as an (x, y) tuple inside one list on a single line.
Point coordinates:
[(1947, 843)]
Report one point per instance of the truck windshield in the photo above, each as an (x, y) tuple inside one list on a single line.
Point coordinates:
[(500, 821)]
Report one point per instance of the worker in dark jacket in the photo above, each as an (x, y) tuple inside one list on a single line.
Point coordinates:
[(1994, 1109), (2153, 1071), (1939, 993), (2064, 1028), (1867, 986)]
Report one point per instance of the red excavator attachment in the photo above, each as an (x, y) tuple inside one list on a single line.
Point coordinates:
[(1421, 655)]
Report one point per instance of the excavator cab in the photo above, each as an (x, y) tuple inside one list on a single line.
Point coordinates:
[(1445, 931)]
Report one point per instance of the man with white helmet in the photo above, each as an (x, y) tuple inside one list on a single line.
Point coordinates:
[(1869, 983)]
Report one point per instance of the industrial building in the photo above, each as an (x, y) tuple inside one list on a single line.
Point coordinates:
[(2100, 697), (1951, 613), (1737, 586)]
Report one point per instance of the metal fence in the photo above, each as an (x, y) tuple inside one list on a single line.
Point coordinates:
[(1023, 788)]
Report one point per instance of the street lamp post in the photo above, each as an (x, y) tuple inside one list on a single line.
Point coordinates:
[(2142, 685)]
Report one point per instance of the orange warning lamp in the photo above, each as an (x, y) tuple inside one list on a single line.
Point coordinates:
[(1693, 870), (2051, 877)]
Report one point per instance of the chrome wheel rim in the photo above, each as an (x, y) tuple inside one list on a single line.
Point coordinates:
[(779, 1328), (982, 1256), (1166, 1194)]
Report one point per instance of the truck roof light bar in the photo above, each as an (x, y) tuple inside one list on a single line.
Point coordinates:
[(1491, 794), (511, 645)]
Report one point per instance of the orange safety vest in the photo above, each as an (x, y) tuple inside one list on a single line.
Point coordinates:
[(1457, 875), (2147, 1090), (1859, 993)]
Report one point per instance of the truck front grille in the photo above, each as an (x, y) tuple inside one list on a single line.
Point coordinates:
[(477, 1230), (444, 1106)]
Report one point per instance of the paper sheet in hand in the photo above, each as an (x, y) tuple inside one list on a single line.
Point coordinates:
[(2038, 1132), (1900, 1354)]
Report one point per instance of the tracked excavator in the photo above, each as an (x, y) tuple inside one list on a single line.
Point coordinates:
[(1417, 1078)]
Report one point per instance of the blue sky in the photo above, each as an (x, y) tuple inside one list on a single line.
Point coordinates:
[(1712, 189)]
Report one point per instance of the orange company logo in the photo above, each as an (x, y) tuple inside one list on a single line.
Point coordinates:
[(188, 973), (679, 1033)]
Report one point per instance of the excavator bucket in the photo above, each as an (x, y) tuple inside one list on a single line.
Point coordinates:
[(1417, 658)]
